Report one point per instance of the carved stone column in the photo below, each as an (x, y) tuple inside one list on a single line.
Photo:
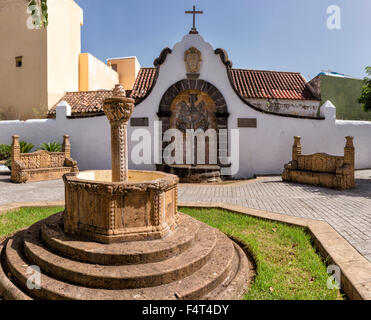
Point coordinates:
[(16, 174), (349, 158), (16, 149), (296, 149), (349, 152), (118, 110), (66, 148)]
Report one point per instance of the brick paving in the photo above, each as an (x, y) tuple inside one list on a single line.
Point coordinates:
[(348, 212)]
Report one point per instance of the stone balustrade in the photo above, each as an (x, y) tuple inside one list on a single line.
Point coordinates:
[(321, 169), (41, 165)]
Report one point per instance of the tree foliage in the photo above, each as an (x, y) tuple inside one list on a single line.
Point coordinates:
[(26, 147), (51, 147), (5, 151), (39, 11), (365, 98)]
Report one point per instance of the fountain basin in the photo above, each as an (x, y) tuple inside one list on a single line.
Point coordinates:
[(143, 208)]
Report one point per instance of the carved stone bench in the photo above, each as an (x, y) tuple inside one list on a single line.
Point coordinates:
[(321, 169), (41, 165)]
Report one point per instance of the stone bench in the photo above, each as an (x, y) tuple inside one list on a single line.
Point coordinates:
[(41, 165), (321, 169)]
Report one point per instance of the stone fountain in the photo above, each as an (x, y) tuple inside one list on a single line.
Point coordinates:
[(121, 237), (120, 205)]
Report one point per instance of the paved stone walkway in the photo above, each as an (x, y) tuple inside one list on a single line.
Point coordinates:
[(349, 212), (30, 192)]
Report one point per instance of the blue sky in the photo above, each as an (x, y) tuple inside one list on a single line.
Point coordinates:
[(284, 35)]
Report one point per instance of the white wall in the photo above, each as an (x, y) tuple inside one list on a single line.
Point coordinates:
[(267, 148), (90, 137), (263, 150)]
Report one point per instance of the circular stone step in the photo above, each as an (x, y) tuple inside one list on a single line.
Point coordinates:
[(122, 276), (196, 286), (137, 252), (238, 280), (8, 290)]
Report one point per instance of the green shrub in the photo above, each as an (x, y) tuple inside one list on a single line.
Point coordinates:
[(5, 151), (26, 147), (51, 147)]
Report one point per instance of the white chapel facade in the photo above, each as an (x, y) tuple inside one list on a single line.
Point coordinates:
[(193, 85)]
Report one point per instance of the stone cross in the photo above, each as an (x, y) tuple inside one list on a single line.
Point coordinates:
[(194, 12), (118, 110)]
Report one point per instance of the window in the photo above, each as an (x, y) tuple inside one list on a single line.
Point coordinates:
[(114, 67), (18, 62)]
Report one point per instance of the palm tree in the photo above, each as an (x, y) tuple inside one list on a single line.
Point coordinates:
[(51, 147)]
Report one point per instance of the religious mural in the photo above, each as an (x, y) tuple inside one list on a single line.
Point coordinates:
[(194, 109)]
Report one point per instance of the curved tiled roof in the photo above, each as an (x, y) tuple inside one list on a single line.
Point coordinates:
[(90, 103), (248, 84), (143, 84), (83, 102), (256, 84)]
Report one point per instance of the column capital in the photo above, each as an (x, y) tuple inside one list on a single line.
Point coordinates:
[(297, 140), (15, 138), (118, 109), (349, 143)]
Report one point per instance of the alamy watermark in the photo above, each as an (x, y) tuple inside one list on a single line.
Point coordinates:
[(334, 18), (190, 147), (34, 280), (334, 281), (34, 19)]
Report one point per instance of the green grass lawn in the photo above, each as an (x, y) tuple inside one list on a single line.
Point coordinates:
[(13, 221), (287, 265)]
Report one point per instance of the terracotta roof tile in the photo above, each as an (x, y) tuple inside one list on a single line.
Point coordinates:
[(91, 102), (250, 84), (143, 83), (256, 84), (83, 102)]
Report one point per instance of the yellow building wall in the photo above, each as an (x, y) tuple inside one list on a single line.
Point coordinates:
[(95, 75), (64, 48), (128, 69), (50, 58), (23, 91), (52, 62)]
